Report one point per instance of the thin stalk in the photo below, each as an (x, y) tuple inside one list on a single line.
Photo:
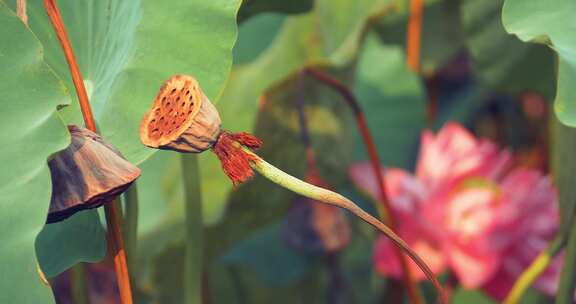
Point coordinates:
[(116, 250), (78, 283), (131, 228), (414, 35), (384, 209), (298, 186), (304, 133), (568, 276), (194, 229), (21, 11), (536, 268), (112, 212)]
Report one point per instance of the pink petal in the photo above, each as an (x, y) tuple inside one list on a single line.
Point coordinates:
[(388, 264), (455, 153), (472, 270)]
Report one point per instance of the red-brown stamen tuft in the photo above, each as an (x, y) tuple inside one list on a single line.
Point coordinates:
[(236, 162)]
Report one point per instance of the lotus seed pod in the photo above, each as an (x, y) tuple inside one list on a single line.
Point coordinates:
[(87, 174), (181, 118)]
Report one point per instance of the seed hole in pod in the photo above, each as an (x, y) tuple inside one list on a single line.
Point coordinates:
[(187, 92), (173, 91), (178, 98), (183, 104), (190, 98)]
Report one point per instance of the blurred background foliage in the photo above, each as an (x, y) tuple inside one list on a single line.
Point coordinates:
[(473, 70)]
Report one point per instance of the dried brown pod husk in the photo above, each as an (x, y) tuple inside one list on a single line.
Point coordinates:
[(182, 118), (87, 174), (316, 228)]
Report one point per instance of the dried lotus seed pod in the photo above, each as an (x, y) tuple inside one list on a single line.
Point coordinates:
[(87, 174), (181, 118)]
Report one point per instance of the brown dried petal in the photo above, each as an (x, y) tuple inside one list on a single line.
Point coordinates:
[(87, 174), (181, 118)]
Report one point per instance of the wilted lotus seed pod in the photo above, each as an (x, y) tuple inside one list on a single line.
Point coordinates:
[(182, 118), (87, 174)]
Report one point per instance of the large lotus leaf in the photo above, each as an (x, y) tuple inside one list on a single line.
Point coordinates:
[(31, 131), (79, 238), (550, 22), (269, 257), (250, 8), (255, 35), (395, 113), (228, 284), (500, 59), (441, 37), (127, 48)]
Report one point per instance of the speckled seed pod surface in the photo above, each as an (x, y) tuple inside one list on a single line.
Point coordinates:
[(87, 174), (181, 118)]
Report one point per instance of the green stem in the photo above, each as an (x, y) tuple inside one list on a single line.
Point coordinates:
[(194, 230), (131, 229), (532, 273), (568, 277), (79, 286), (298, 186)]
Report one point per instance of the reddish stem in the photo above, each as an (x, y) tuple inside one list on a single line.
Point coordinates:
[(21, 11), (414, 35), (116, 244), (432, 88), (386, 215)]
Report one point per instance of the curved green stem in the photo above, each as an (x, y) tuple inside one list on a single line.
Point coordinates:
[(326, 196), (568, 277), (532, 273), (194, 229)]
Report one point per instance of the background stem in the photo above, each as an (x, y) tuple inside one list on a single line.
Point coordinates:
[(532, 273), (131, 229), (568, 277), (384, 208), (21, 11), (413, 35), (194, 229), (78, 284)]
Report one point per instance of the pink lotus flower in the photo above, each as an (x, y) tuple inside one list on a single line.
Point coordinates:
[(466, 211)]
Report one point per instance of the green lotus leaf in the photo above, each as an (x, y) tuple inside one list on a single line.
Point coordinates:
[(32, 130)]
